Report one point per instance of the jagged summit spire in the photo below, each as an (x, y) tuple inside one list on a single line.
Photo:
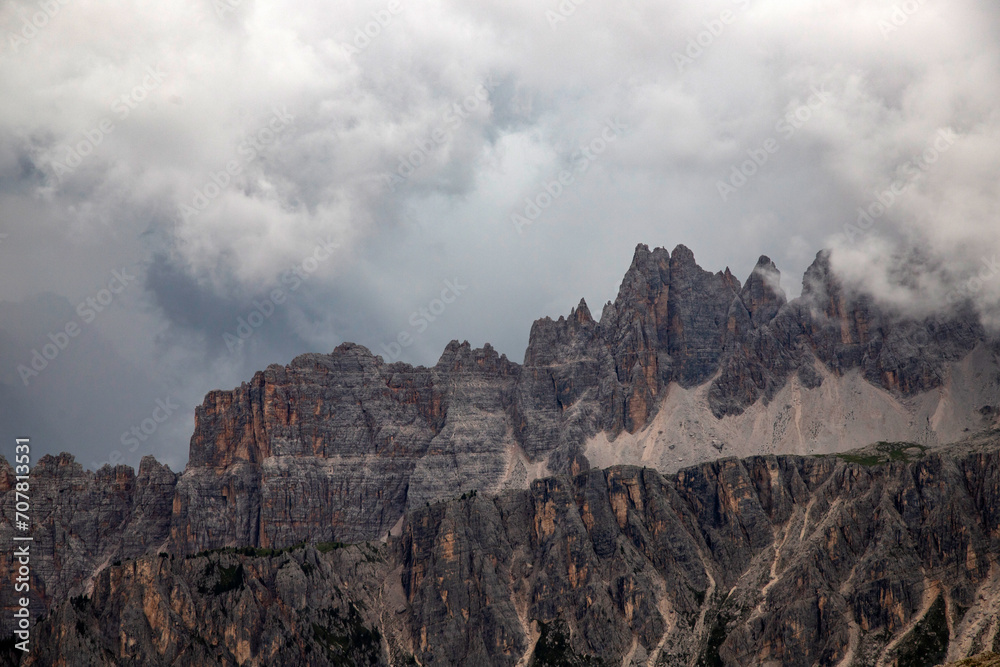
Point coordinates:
[(421, 433), (731, 280), (581, 313), (762, 294), (682, 254), (818, 280)]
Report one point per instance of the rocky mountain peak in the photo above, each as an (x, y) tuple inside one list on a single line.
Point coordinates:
[(819, 282), (581, 314), (682, 255), (646, 275), (762, 294), (731, 280), (462, 357)]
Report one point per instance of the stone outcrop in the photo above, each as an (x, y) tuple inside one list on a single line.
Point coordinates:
[(82, 521), (302, 607), (334, 447)]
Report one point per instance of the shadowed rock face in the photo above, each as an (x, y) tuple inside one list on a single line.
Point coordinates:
[(767, 560), (667, 324), (81, 522), (304, 607)]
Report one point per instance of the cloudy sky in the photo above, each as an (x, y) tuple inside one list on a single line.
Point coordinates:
[(168, 168)]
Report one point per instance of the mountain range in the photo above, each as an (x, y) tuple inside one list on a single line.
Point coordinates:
[(709, 473)]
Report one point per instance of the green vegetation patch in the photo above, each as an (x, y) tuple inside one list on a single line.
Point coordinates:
[(886, 452), (553, 649), (250, 552), (229, 578), (346, 640), (861, 459), (927, 643), (716, 637)]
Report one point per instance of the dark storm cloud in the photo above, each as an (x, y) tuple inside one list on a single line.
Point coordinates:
[(76, 393)]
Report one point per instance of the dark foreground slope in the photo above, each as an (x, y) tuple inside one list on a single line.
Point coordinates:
[(767, 560)]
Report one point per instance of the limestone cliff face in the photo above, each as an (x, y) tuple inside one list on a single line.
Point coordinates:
[(770, 339), (336, 446), (768, 560), (303, 607), (81, 522), (667, 324), (322, 442), (849, 330)]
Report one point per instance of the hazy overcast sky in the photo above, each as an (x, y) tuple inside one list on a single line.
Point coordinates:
[(378, 153)]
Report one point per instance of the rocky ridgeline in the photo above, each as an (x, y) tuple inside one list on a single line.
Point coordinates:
[(82, 522), (767, 561), (339, 447)]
